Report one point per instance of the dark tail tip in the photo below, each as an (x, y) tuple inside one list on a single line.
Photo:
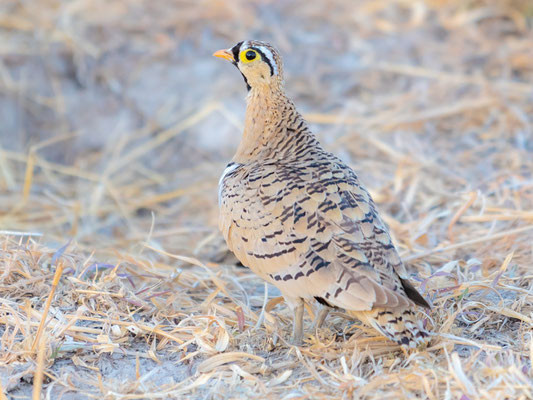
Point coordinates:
[(413, 294)]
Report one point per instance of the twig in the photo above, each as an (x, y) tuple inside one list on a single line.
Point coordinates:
[(468, 243), (2, 394), (519, 87), (461, 211), (17, 233), (38, 376), (57, 276)]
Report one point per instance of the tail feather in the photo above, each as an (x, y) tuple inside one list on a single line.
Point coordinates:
[(398, 325), (413, 294)]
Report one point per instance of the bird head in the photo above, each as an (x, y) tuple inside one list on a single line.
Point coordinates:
[(259, 63)]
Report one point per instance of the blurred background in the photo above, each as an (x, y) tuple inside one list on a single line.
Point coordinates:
[(116, 121)]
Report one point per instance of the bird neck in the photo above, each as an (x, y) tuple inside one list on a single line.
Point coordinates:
[(271, 120)]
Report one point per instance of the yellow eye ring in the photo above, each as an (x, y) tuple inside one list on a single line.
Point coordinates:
[(248, 55)]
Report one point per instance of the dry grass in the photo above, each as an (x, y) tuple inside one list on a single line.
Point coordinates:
[(114, 281)]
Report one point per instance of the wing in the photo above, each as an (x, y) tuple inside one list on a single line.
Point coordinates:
[(311, 229), (251, 200)]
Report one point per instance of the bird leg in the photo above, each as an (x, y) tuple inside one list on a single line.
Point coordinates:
[(320, 317), (297, 329)]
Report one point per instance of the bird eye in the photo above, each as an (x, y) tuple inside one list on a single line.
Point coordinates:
[(248, 55)]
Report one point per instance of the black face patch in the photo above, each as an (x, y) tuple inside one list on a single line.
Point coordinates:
[(248, 87), (235, 50)]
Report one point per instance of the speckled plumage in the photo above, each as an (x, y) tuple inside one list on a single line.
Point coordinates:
[(299, 217)]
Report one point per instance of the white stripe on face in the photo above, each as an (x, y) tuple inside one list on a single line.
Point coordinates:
[(268, 54)]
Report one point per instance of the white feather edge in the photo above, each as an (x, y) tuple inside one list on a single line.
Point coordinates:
[(230, 168)]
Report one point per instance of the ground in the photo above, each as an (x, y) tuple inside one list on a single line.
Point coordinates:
[(116, 124)]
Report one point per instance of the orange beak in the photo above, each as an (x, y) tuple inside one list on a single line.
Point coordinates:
[(224, 54)]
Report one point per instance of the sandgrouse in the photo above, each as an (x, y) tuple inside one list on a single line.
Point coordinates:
[(299, 217)]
